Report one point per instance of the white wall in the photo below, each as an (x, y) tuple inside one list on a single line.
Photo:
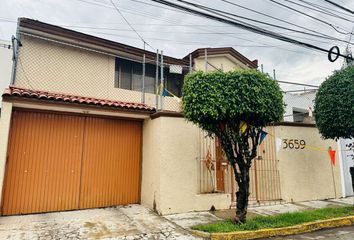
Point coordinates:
[(170, 168), (297, 102), (306, 174), (5, 66), (346, 162)]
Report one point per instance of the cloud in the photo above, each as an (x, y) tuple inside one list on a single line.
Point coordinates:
[(171, 31)]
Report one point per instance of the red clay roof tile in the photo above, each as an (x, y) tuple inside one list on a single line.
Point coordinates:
[(61, 97)]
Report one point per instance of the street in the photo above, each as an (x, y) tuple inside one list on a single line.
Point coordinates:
[(344, 233)]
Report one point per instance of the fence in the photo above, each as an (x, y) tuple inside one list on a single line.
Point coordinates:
[(58, 66), (215, 174)]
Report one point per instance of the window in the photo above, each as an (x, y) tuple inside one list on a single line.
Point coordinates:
[(129, 75)]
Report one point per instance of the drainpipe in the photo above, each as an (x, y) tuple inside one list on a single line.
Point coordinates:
[(15, 46)]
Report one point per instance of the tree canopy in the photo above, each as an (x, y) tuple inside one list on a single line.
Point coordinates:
[(334, 105), (244, 95), (234, 106)]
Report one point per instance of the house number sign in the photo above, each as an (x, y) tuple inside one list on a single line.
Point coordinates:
[(294, 144)]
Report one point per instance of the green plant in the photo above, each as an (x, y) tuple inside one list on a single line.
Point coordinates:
[(277, 221), (234, 107), (334, 105)]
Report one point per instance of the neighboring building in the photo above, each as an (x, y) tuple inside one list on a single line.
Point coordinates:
[(84, 134), (220, 59), (299, 107), (5, 65)]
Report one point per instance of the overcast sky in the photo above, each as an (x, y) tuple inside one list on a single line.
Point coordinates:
[(178, 33)]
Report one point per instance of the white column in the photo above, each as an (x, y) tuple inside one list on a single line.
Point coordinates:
[(5, 121)]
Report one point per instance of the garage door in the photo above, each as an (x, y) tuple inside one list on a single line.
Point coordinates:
[(61, 162)]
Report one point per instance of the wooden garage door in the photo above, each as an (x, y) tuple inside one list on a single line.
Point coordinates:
[(61, 162)]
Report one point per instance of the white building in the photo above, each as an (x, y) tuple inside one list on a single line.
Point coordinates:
[(299, 106), (5, 65)]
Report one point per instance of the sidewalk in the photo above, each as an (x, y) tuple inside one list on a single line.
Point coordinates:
[(187, 220)]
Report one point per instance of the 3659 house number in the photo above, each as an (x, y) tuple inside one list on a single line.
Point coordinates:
[(294, 143)]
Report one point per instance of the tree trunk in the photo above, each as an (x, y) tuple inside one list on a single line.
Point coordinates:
[(242, 197)]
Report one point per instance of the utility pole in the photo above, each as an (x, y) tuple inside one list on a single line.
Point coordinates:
[(274, 77), (262, 68), (206, 60)]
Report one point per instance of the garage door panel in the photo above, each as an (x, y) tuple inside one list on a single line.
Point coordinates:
[(111, 163), (63, 162), (43, 169)]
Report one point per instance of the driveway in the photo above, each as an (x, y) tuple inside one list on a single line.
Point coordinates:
[(126, 222)]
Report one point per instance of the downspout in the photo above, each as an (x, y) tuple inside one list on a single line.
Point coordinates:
[(16, 43)]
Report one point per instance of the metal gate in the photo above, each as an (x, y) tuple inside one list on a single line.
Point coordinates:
[(62, 162), (216, 175)]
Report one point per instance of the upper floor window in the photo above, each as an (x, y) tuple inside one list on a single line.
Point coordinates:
[(129, 75)]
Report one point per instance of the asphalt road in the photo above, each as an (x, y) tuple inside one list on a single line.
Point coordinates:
[(344, 233)]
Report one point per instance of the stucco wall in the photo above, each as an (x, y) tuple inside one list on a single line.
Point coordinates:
[(306, 174), (170, 151), (5, 66), (5, 121), (51, 66), (220, 62)]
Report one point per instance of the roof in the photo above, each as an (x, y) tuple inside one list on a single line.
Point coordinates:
[(13, 91), (26, 23), (225, 50)]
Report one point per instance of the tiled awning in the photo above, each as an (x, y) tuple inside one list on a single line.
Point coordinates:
[(13, 91)]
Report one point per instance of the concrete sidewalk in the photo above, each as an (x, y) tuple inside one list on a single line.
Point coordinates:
[(187, 220), (122, 223)]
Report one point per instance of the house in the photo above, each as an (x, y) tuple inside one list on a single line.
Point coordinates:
[(5, 64), (82, 127)]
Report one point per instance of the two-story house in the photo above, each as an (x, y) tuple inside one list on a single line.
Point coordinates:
[(84, 125)]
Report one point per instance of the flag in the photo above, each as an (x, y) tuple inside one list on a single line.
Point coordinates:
[(263, 135), (332, 155), (164, 92), (243, 127)]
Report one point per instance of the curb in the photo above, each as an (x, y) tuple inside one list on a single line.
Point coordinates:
[(271, 232)]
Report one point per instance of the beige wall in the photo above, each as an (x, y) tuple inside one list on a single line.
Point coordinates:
[(5, 121), (50, 66), (227, 63), (170, 168), (306, 174)]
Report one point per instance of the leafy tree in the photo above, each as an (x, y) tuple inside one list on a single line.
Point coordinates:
[(334, 105), (220, 103)]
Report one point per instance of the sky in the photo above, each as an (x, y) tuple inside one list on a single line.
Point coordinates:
[(178, 33)]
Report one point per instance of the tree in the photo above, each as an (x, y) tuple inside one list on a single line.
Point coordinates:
[(334, 105), (220, 103)]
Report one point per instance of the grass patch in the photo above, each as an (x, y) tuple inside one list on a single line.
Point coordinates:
[(278, 221)]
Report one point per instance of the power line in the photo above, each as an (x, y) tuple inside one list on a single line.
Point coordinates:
[(310, 16), (153, 16), (275, 18), (220, 12), (142, 39), (339, 6), (325, 8), (319, 10), (243, 25)]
